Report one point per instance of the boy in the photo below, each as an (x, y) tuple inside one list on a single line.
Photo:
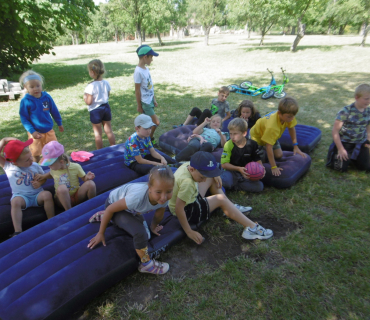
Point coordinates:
[(239, 151), (219, 105), (26, 192), (270, 128), (140, 155), (351, 134), (144, 89), (188, 203)]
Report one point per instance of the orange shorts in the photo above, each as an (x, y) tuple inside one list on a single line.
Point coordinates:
[(74, 199), (38, 144)]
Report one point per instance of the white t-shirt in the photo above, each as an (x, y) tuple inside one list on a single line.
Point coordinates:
[(100, 92), (20, 178), (136, 196), (143, 77)]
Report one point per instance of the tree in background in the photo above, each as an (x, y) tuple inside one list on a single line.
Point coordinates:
[(28, 27)]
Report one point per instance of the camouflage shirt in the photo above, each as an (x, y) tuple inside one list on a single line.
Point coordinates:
[(354, 124)]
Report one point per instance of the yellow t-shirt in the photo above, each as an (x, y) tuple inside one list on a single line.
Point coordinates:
[(185, 187), (269, 129), (71, 179)]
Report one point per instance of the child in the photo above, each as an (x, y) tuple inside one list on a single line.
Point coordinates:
[(351, 134), (247, 111), (192, 180), (239, 151), (36, 109), (144, 89), (140, 155), (21, 170), (126, 206), (96, 96), (204, 139), (219, 105), (68, 191), (270, 128)]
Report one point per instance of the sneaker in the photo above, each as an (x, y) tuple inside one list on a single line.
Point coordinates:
[(175, 126), (96, 217), (14, 234), (154, 267), (242, 208), (258, 232)]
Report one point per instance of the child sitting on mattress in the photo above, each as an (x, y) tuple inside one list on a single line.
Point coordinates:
[(126, 206)]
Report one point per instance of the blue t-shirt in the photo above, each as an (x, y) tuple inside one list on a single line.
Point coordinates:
[(136, 146), (211, 136)]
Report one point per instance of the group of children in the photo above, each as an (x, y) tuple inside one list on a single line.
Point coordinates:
[(252, 138)]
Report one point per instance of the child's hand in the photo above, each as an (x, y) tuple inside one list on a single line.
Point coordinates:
[(140, 109), (96, 240), (163, 161), (155, 103), (207, 120), (276, 171), (191, 137), (218, 182), (156, 229), (36, 135), (38, 177), (244, 172), (90, 176), (36, 184), (342, 154), (195, 236), (218, 131), (61, 129), (296, 150)]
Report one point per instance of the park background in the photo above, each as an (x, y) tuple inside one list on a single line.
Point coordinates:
[(317, 264)]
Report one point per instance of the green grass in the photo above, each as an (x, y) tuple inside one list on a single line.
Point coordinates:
[(321, 270)]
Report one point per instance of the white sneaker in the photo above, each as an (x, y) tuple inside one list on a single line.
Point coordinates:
[(258, 233), (242, 208)]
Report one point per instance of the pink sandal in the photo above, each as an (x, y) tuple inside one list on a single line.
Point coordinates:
[(96, 217)]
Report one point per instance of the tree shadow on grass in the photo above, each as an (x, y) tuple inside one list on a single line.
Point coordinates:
[(81, 56), (286, 47), (61, 76)]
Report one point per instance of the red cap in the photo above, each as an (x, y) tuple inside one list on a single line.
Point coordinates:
[(14, 148)]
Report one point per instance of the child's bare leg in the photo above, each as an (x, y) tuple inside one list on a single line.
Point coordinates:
[(155, 119), (45, 198), (63, 198), (109, 132), (98, 135), (87, 190), (17, 204), (278, 153), (188, 120)]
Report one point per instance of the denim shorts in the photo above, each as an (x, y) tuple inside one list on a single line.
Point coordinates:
[(31, 201), (100, 114), (148, 108)]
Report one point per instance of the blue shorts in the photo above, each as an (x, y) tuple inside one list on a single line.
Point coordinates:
[(31, 201), (100, 114)]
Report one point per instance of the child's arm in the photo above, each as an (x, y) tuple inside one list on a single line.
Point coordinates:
[(88, 176), (231, 167), (155, 102), (293, 136), (181, 215), (138, 98), (107, 216), (88, 98), (228, 116), (3, 142), (270, 156), (40, 177), (199, 129), (367, 145), (222, 136), (156, 155), (158, 217), (342, 153), (56, 115), (25, 119)]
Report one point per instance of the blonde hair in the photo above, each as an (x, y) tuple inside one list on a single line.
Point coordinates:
[(361, 89), (238, 124), (97, 67), (217, 116), (224, 89), (161, 172), (247, 104), (23, 78), (288, 105)]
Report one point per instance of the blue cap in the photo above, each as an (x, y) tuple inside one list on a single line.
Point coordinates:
[(205, 163), (145, 50)]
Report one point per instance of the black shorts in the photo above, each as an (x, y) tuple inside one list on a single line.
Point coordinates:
[(100, 114), (197, 211)]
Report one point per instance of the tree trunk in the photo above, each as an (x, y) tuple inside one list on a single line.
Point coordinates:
[(172, 31), (116, 36), (206, 35), (159, 38), (143, 34), (293, 30), (341, 29), (138, 34), (263, 33), (329, 28), (73, 39), (300, 34), (123, 37), (76, 38), (364, 36), (363, 28), (246, 28)]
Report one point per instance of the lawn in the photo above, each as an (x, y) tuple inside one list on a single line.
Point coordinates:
[(318, 264)]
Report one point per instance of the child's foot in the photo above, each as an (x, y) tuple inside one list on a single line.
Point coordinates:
[(14, 234), (175, 126), (242, 209), (258, 232), (96, 217), (154, 267)]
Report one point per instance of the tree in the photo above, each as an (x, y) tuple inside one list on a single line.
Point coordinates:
[(27, 28)]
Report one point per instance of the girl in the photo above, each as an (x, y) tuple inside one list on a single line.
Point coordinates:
[(96, 96), (204, 139), (36, 109), (126, 205), (68, 191), (248, 112)]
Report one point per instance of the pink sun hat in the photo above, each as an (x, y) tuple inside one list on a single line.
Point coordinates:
[(81, 156), (51, 152)]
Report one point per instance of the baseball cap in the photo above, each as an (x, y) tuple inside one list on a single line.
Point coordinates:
[(51, 152), (144, 121), (205, 163), (146, 50), (14, 148)]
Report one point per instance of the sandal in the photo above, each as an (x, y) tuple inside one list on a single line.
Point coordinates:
[(96, 217), (154, 267), (14, 234)]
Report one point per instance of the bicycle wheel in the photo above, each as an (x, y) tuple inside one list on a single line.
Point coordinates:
[(268, 95), (233, 87), (280, 95), (245, 84)]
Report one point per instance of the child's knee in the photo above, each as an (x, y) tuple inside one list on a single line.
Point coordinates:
[(90, 185), (278, 153), (46, 196), (18, 203), (62, 190)]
